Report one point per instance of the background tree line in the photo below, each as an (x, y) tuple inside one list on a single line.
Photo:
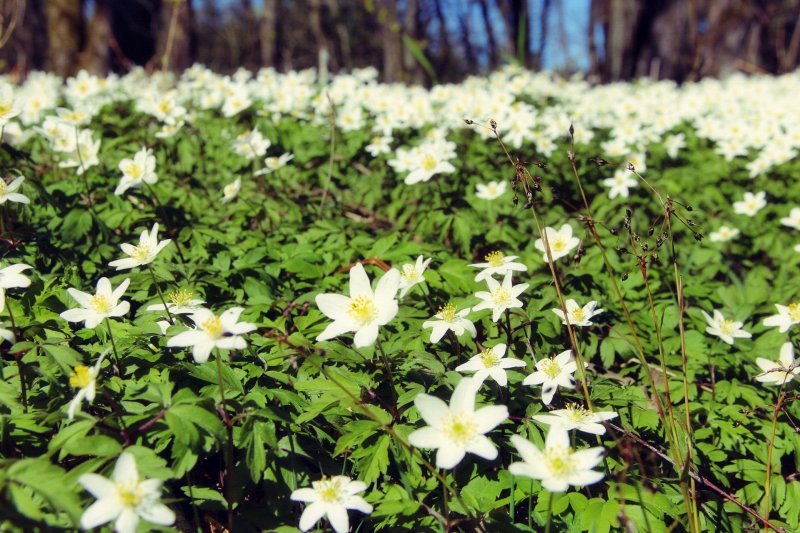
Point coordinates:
[(415, 41)]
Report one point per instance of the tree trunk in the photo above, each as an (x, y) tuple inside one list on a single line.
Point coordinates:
[(64, 35), (250, 45), (177, 42), (267, 30), (392, 45), (491, 38), (96, 55)]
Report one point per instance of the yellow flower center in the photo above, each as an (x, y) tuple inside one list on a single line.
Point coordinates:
[(409, 273), (460, 428), (447, 313), (212, 326), (3, 187), (578, 315), (134, 170), (329, 490), (101, 304), (576, 413), (551, 368), (489, 359), (794, 311), (500, 296), (81, 377), (74, 116), (429, 162), (362, 309), (557, 244), (558, 460), (180, 297), (272, 162), (5, 108), (142, 252), (727, 327), (131, 496), (494, 258)]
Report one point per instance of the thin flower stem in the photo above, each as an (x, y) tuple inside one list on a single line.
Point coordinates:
[(770, 448), (114, 347), (228, 442), (388, 369), (160, 295), (508, 328), (445, 507), (549, 512)]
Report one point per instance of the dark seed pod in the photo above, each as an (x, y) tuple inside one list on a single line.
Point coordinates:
[(493, 124), (469, 121), (624, 276)]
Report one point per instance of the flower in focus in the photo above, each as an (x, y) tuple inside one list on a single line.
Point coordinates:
[(491, 190), (94, 309), (497, 263), (450, 319), (143, 253), (213, 331), (576, 417), (557, 466), (788, 315), (410, 274), (793, 220), (125, 498), (619, 184), (552, 372), (231, 190), (179, 302), (491, 362), (331, 497), (561, 242), (140, 169), (782, 371), (578, 316), (500, 297), (458, 428), (426, 166), (11, 277), (725, 329), (8, 191), (723, 234), (84, 379), (751, 204), (364, 311)]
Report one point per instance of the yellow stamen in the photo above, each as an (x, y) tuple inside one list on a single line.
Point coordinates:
[(558, 459), (81, 377), (212, 326), (551, 368), (447, 312), (329, 489), (180, 297), (134, 170), (460, 428), (101, 304), (131, 496), (362, 309), (429, 163), (489, 359), (794, 311), (495, 259)]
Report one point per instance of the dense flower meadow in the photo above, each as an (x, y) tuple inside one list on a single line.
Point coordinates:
[(279, 301)]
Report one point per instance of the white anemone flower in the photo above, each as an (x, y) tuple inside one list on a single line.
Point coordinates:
[(273, 163), (788, 315), (410, 274), (364, 311), (780, 372), (575, 416), (750, 204), (426, 167), (552, 372), (331, 497), (723, 328), (251, 144), (557, 466), (11, 277), (491, 362), (96, 308), (578, 316), (125, 498), (179, 302), (457, 429), (723, 234), (231, 190), (561, 242), (143, 253), (448, 318), (497, 263), (211, 331), (619, 184), (84, 379), (793, 220), (141, 169), (500, 297), (491, 190), (8, 191)]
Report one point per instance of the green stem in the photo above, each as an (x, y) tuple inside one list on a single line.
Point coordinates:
[(771, 447), (228, 474), (388, 369), (160, 295), (549, 512), (114, 347)]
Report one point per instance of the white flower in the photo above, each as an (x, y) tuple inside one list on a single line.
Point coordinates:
[(364, 311), (557, 466), (552, 372), (84, 379), (619, 184), (231, 190), (491, 362), (426, 166), (782, 371), (751, 204), (7, 335), (140, 169), (11, 277), (578, 316), (497, 263), (410, 274), (458, 428), (125, 498), (272, 163), (491, 190), (9, 108), (576, 417), (788, 315), (179, 302), (8, 191), (723, 234), (83, 154), (500, 297), (793, 220), (94, 309), (561, 242), (251, 144), (143, 253), (331, 497), (213, 331), (450, 320), (725, 329)]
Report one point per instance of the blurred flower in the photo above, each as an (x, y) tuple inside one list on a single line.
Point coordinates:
[(251, 144), (793, 220), (500, 297), (272, 163), (780, 372), (751, 204), (491, 362), (231, 190), (788, 315), (84, 379), (211, 332), (578, 316), (448, 319), (140, 169), (561, 242), (425, 166), (8, 191), (723, 234), (143, 253), (94, 309), (491, 190), (331, 497), (619, 184), (11, 277), (725, 329)]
